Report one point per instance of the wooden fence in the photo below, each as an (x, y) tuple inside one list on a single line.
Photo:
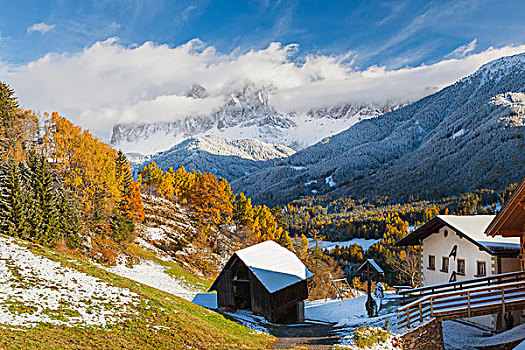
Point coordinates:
[(464, 303), (465, 284)]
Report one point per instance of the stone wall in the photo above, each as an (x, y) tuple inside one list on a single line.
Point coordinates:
[(427, 337)]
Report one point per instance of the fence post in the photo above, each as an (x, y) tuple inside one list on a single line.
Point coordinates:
[(432, 306), (420, 313), (503, 300), (468, 303), (408, 317)]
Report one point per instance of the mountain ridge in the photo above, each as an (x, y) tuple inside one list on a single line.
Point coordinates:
[(411, 151), (246, 113)]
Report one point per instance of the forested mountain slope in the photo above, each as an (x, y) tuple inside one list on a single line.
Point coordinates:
[(467, 136), (223, 157)]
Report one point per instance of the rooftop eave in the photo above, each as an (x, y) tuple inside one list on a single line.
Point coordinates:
[(516, 200)]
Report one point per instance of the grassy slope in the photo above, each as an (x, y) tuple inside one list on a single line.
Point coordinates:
[(180, 324), (174, 270)]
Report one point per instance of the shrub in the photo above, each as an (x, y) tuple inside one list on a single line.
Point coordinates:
[(366, 337)]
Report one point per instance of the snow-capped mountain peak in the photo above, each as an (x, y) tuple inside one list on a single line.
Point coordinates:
[(246, 113)]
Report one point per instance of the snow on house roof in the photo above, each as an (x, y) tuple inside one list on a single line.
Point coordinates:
[(474, 226), (274, 266), (471, 226)]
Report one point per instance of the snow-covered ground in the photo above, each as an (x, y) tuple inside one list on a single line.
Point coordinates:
[(365, 243), (244, 317), (154, 275), (35, 289), (349, 314), (248, 319), (460, 336)]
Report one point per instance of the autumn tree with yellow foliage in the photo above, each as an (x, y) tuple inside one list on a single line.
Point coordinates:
[(213, 204), (99, 177)]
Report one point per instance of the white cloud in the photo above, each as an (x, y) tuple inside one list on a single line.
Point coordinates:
[(41, 28), (463, 50), (108, 83)]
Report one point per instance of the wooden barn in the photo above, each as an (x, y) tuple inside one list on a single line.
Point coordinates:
[(267, 279)]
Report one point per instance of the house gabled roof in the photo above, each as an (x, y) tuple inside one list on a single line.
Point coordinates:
[(510, 219), (472, 228), (274, 266)]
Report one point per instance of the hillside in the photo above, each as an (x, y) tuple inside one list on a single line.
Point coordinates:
[(54, 299), (223, 157), (169, 229), (465, 137), (246, 113)]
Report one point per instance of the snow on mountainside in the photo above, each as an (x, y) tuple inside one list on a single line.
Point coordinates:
[(469, 135), (222, 157), (247, 113)]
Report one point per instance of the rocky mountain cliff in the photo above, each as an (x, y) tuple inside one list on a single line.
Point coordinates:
[(468, 135), (223, 157), (247, 113)]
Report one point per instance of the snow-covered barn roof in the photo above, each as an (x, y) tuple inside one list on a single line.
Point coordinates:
[(274, 266), (472, 227)]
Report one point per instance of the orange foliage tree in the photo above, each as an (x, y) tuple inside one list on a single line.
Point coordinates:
[(91, 170)]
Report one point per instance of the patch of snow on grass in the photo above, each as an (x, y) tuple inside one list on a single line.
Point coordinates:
[(459, 133), (152, 274), (309, 182), (35, 289), (347, 341), (250, 320), (298, 168), (330, 181), (154, 234)]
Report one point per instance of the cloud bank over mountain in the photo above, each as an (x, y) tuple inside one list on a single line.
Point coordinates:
[(109, 83)]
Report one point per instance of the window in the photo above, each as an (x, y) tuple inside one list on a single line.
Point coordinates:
[(481, 269), (444, 264), (431, 262), (445, 233), (461, 267)]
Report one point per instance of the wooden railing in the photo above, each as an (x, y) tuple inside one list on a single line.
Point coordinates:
[(465, 284), (465, 303)]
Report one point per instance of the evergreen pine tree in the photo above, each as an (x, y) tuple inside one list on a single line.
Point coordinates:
[(13, 203), (41, 188), (68, 218), (8, 115)]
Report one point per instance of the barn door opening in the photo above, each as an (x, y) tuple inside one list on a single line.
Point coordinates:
[(241, 288)]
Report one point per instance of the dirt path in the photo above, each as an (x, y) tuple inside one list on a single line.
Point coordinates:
[(310, 336)]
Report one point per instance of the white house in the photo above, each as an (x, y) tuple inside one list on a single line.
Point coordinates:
[(455, 248)]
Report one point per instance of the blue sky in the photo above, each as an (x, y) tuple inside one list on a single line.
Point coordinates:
[(132, 61), (390, 33)]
